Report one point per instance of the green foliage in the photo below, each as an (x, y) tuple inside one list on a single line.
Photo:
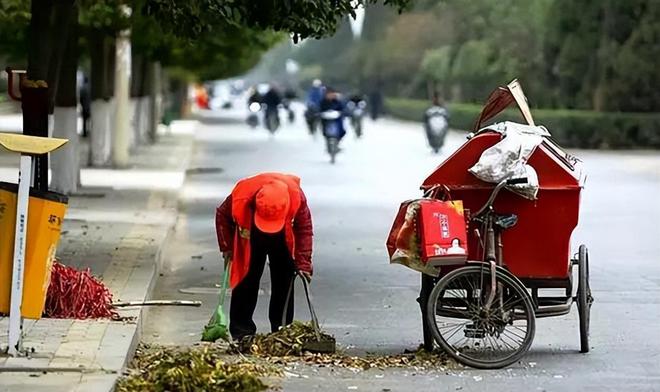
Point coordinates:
[(472, 67), (436, 64), (591, 55), (105, 15), (570, 128), (602, 55), (301, 18), (221, 53), (14, 20)]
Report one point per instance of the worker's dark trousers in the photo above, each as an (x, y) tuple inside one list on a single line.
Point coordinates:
[(245, 294)]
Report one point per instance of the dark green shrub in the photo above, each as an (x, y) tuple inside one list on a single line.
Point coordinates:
[(570, 128)]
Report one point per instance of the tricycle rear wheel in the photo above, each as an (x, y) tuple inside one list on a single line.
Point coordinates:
[(472, 334), (584, 298)]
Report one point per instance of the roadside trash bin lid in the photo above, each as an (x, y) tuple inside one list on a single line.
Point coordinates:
[(45, 215)]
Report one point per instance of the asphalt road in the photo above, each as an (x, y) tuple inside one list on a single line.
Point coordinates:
[(370, 305)]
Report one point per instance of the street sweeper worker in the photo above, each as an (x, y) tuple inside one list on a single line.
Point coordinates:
[(264, 216)]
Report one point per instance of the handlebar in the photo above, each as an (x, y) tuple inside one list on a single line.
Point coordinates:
[(496, 191)]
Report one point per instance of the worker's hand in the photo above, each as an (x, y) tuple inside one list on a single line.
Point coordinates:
[(227, 256), (306, 275)]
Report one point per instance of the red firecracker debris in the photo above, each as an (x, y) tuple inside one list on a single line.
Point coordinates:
[(78, 295)]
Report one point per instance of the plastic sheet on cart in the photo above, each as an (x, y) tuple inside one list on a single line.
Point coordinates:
[(508, 158)]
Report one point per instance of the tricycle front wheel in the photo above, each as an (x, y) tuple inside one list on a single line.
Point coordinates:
[(584, 298), (475, 334)]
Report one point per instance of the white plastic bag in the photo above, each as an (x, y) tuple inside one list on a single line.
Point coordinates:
[(508, 158)]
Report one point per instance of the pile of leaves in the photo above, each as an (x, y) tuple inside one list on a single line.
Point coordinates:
[(192, 369), (77, 294), (286, 346), (420, 359), (288, 341)]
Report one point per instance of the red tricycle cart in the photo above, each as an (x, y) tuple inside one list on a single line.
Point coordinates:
[(482, 311)]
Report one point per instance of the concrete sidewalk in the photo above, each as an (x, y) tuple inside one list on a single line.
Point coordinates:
[(116, 226)]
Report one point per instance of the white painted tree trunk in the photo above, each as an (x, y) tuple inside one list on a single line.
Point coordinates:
[(100, 132), (120, 147), (65, 162), (155, 103), (145, 115), (134, 114), (51, 124)]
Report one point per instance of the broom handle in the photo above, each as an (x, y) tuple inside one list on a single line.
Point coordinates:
[(288, 297), (315, 320), (225, 282)]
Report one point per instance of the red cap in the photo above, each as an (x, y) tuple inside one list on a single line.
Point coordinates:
[(272, 206)]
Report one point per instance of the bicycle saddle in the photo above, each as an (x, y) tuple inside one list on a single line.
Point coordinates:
[(506, 221)]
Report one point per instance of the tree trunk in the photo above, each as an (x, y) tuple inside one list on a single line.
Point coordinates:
[(35, 97), (136, 109), (65, 161), (144, 102), (120, 147), (155, 100), (61, 25), (100, 133)]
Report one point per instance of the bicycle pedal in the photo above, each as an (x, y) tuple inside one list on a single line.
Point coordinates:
[(474, 332)]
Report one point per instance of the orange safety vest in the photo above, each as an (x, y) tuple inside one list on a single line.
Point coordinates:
[(242, 212)]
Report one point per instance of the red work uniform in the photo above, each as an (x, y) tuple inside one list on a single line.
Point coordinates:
[(288, 250)]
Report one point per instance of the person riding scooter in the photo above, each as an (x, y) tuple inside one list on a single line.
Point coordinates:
[(272, 100), (313, 102), (436, 123), (332, 121), (355, 107)]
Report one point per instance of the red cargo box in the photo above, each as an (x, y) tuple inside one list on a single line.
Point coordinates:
[(538, 245)]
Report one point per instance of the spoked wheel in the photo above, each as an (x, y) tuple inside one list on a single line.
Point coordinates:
[(470, 332), (272, 123), (584, 298), (357, 125), (333, 148)]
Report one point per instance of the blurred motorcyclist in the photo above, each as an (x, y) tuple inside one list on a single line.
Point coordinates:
[(332, 115), (355, 107), (332, 101), (315, 94), (436, 123), (376, 103), (313, 102), (289, 96), (272, 99)]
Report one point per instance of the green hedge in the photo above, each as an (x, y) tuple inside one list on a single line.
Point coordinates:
[(570, 128)]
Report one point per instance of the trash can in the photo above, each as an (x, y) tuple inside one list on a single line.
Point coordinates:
[(45, 216)]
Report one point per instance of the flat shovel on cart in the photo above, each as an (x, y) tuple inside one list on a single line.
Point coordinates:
[(323, 344)]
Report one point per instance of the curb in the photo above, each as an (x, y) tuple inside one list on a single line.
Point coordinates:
[(156, 268)]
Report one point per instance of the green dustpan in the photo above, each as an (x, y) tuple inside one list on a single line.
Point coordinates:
[(217, 328)]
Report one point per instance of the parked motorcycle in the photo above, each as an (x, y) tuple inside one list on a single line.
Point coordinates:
[(436, 124), (356, 112), (332, 130)]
